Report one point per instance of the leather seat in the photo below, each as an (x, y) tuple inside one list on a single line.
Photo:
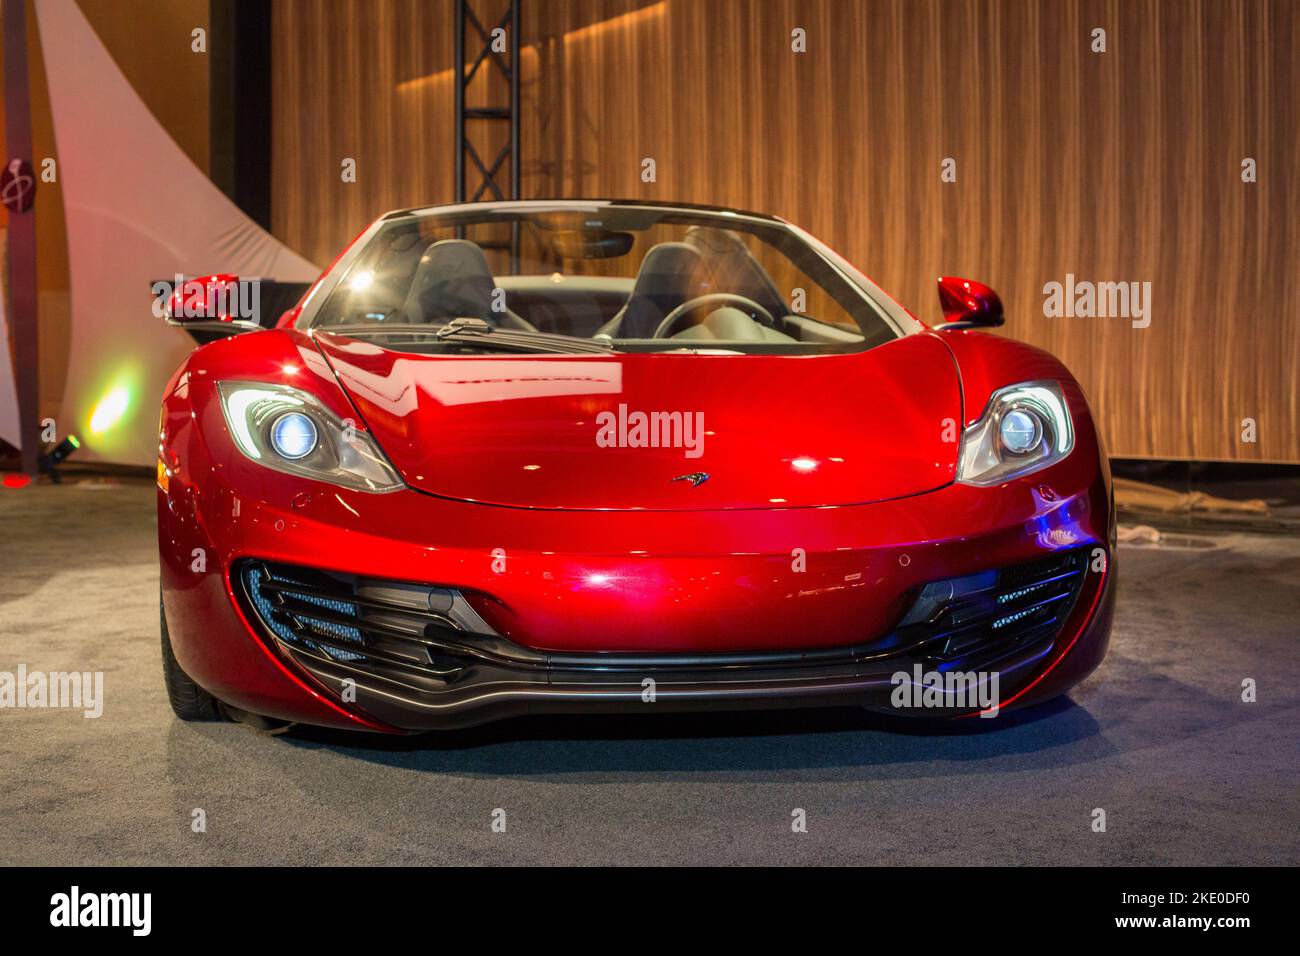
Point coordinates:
[(453, 280), (669, 275)]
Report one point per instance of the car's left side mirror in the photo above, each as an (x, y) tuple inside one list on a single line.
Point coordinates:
[(968, 304)]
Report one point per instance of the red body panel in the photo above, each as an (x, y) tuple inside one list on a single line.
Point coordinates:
[(825, 430)]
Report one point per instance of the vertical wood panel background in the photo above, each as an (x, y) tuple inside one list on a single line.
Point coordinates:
[(1122, 166)]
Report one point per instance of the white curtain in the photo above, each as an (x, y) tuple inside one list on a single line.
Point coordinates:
[(8, 388), (137, 210)]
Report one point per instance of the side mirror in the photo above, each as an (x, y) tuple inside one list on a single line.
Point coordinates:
[(968, 304), (210, 307), (216, 306)]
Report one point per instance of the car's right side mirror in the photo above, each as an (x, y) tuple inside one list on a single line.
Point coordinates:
[(216, 306), (211, 307), (968, 304)]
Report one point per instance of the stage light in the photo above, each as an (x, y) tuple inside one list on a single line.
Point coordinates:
[(109, 410), (47, 462)]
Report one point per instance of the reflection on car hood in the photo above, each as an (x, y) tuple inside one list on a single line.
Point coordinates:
[(661, 431)]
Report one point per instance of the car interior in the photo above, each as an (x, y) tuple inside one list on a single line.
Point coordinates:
[(701, 289)]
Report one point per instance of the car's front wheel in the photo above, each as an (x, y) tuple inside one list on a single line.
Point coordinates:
[(188, 699)]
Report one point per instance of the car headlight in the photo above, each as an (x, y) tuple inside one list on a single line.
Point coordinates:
[(294, 435), (1024, 428), (290, 430)]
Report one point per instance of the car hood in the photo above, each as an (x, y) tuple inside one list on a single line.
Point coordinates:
[(580, 431)]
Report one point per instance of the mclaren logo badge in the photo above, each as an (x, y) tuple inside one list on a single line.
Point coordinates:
[(696, 478)]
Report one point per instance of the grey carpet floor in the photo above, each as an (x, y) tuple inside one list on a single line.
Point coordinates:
[(1159, 738)]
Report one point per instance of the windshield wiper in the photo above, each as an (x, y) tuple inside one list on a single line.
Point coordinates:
[(468, 325), (469, 330)]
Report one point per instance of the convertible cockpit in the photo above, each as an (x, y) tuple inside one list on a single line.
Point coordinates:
[(642, 277)]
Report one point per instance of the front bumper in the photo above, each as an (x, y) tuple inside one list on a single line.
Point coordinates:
[(708, 606), (380, 645)]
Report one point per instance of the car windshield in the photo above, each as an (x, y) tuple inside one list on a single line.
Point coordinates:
[(622, 277)]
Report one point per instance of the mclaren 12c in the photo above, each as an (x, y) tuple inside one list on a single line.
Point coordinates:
[(587, 456)]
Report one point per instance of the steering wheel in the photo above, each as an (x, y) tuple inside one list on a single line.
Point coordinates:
[(712, 301)]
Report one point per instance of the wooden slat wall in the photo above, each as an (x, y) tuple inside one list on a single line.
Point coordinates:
[(368, 80), (1117, 166)]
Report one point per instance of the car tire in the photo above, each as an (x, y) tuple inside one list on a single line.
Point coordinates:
[(189, 701)]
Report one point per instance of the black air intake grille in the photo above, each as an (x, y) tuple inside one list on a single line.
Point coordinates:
[(973, 622), (389, 628)]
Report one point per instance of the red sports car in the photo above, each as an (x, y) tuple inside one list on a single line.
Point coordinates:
[(583, 456)]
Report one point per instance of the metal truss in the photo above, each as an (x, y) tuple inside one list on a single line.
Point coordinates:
[(489, 175)]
